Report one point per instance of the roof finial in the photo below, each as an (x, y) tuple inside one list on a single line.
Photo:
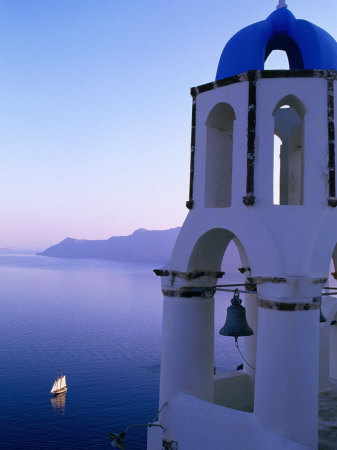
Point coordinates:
[(282, 4)]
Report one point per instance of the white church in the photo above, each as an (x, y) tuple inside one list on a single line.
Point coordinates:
[(286, 236)]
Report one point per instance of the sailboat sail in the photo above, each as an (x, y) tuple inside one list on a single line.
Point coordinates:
[(63, 382), (59, 385)]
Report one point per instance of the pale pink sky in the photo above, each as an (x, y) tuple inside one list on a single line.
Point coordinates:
[(95, 109)]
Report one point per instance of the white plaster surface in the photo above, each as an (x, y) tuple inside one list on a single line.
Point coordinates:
[(187, 348), (199, 425), (296, 240), (295, 356), (286, 383)]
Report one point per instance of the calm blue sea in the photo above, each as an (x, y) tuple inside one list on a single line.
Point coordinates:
[(99, 322)]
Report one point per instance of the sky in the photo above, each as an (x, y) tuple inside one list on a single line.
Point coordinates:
[(95, 109)]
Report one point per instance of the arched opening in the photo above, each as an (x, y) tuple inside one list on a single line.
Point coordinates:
[(289, 151), (221, 250), (281, 43), (219, 156), (277, 60)]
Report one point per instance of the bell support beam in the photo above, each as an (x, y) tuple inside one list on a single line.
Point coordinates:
[(287, 361)]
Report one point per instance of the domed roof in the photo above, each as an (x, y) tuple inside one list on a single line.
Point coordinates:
[(307, 45)]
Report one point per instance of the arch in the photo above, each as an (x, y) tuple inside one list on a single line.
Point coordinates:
[(219, 156), (289, 46), (320, 247), (294, 102), (289, 116), (208, 251)]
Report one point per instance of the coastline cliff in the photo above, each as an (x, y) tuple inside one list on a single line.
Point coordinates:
[(140, 246)]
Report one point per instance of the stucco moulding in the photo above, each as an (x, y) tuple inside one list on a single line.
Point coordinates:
[(252, 75)]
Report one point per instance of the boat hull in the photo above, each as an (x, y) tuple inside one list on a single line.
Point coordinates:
[(60, 391)]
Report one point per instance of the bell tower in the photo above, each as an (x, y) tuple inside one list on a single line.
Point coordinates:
[(284, 224)]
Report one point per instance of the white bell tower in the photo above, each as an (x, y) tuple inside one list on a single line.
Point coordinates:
[(285, 246)]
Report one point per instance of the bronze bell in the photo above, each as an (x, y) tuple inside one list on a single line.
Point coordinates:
[(236, 323)]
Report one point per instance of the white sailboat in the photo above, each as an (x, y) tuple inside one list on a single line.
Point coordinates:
[(59, 386)]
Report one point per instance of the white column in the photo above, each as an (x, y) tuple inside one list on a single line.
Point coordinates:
[(287, 365), (187, 348)]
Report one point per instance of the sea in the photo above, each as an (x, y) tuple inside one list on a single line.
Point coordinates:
[(99, 323)]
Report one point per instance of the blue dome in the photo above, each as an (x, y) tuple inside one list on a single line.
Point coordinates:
[(307, 45)]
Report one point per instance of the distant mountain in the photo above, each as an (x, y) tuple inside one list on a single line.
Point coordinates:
[(141, 246)]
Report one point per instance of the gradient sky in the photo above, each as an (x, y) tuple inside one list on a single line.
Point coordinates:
[(95, 109)]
